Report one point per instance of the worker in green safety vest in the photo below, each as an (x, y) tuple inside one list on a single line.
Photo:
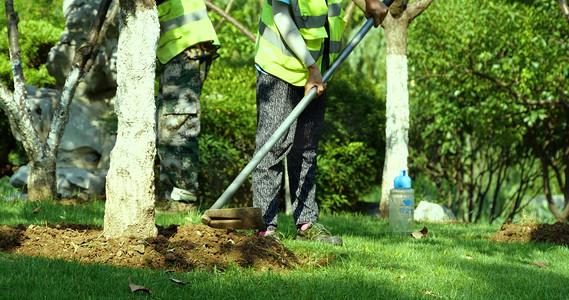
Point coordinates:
[(186, 48), (297, 42)]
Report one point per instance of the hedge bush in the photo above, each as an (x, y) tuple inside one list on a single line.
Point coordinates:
[(37, 37)]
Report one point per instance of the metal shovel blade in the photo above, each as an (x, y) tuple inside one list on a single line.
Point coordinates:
[(234, 218)]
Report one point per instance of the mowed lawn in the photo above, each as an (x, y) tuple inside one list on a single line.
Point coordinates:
[(455, 261)]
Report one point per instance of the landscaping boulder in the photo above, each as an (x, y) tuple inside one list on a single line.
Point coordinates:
[(71, 182), (428, 211)]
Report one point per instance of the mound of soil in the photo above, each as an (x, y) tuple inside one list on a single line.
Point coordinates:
[(197, 247), (557, 233), (176, 248)]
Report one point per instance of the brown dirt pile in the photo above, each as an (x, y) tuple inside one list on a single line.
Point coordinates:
[(177, 248), (197, 247), (557, 233)]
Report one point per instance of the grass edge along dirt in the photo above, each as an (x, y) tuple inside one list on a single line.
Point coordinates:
[(456, 261)]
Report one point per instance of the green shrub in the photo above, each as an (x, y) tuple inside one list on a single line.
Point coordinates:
[(352, 148), (5, 187), (220, 162), (228, 104), (36, 40), (229, 121), (345, 174), (48, 10), (11, 152)]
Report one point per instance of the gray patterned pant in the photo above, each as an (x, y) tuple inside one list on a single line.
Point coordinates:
[(275, 100)]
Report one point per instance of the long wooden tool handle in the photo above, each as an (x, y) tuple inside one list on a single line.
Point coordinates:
[(262, 152)]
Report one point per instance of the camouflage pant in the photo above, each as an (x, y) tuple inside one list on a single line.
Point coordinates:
[(178, 121)]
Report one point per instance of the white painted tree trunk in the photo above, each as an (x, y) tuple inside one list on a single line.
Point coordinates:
[(129, 209), (396, 127), (397, 103)]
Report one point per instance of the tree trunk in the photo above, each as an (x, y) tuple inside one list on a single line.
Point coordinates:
[(42, 154), (397, 103), (129, 210), (397, 107), (42, 179)]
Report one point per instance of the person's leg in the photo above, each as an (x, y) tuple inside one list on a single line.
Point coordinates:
[(178, 112), (301, 161), (274, 104)]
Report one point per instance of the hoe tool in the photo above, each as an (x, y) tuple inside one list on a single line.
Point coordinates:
[(251, 217)]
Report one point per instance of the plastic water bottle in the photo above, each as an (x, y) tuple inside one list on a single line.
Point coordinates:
[(401, 204)]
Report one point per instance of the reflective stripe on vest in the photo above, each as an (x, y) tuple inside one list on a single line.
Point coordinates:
[(183, 23), (183, 20), (274, 56)]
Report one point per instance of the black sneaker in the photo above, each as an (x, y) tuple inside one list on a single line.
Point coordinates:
[(317, 232)]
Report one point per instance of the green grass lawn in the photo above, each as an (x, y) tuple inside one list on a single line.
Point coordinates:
[(456, 261)]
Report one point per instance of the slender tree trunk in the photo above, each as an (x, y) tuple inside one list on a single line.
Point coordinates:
[(42, 154), (227, 9), (286, 186), (129, 210), (231, 20), (562, 215), (397, 107), (397, 104), (41, 182)]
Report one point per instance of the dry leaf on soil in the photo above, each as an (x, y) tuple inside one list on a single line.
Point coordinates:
[(136, 288), (420, 234)]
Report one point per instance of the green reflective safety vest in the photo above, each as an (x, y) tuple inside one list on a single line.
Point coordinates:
[(183, 23), (274, 56)]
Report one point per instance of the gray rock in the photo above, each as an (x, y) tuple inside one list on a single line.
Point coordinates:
[(79, 16), (427, 211), (71, 182)]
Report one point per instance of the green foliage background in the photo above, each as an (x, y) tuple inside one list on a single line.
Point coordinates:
[(475, 78), (41, 24)]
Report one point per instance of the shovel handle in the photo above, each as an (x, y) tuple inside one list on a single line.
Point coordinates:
[(281, 130)]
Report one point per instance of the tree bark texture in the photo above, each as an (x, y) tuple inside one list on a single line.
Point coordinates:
[(42, 184), (129, 210), (397, 99)]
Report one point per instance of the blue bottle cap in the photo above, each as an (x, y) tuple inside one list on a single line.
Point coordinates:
[(402, 181)]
